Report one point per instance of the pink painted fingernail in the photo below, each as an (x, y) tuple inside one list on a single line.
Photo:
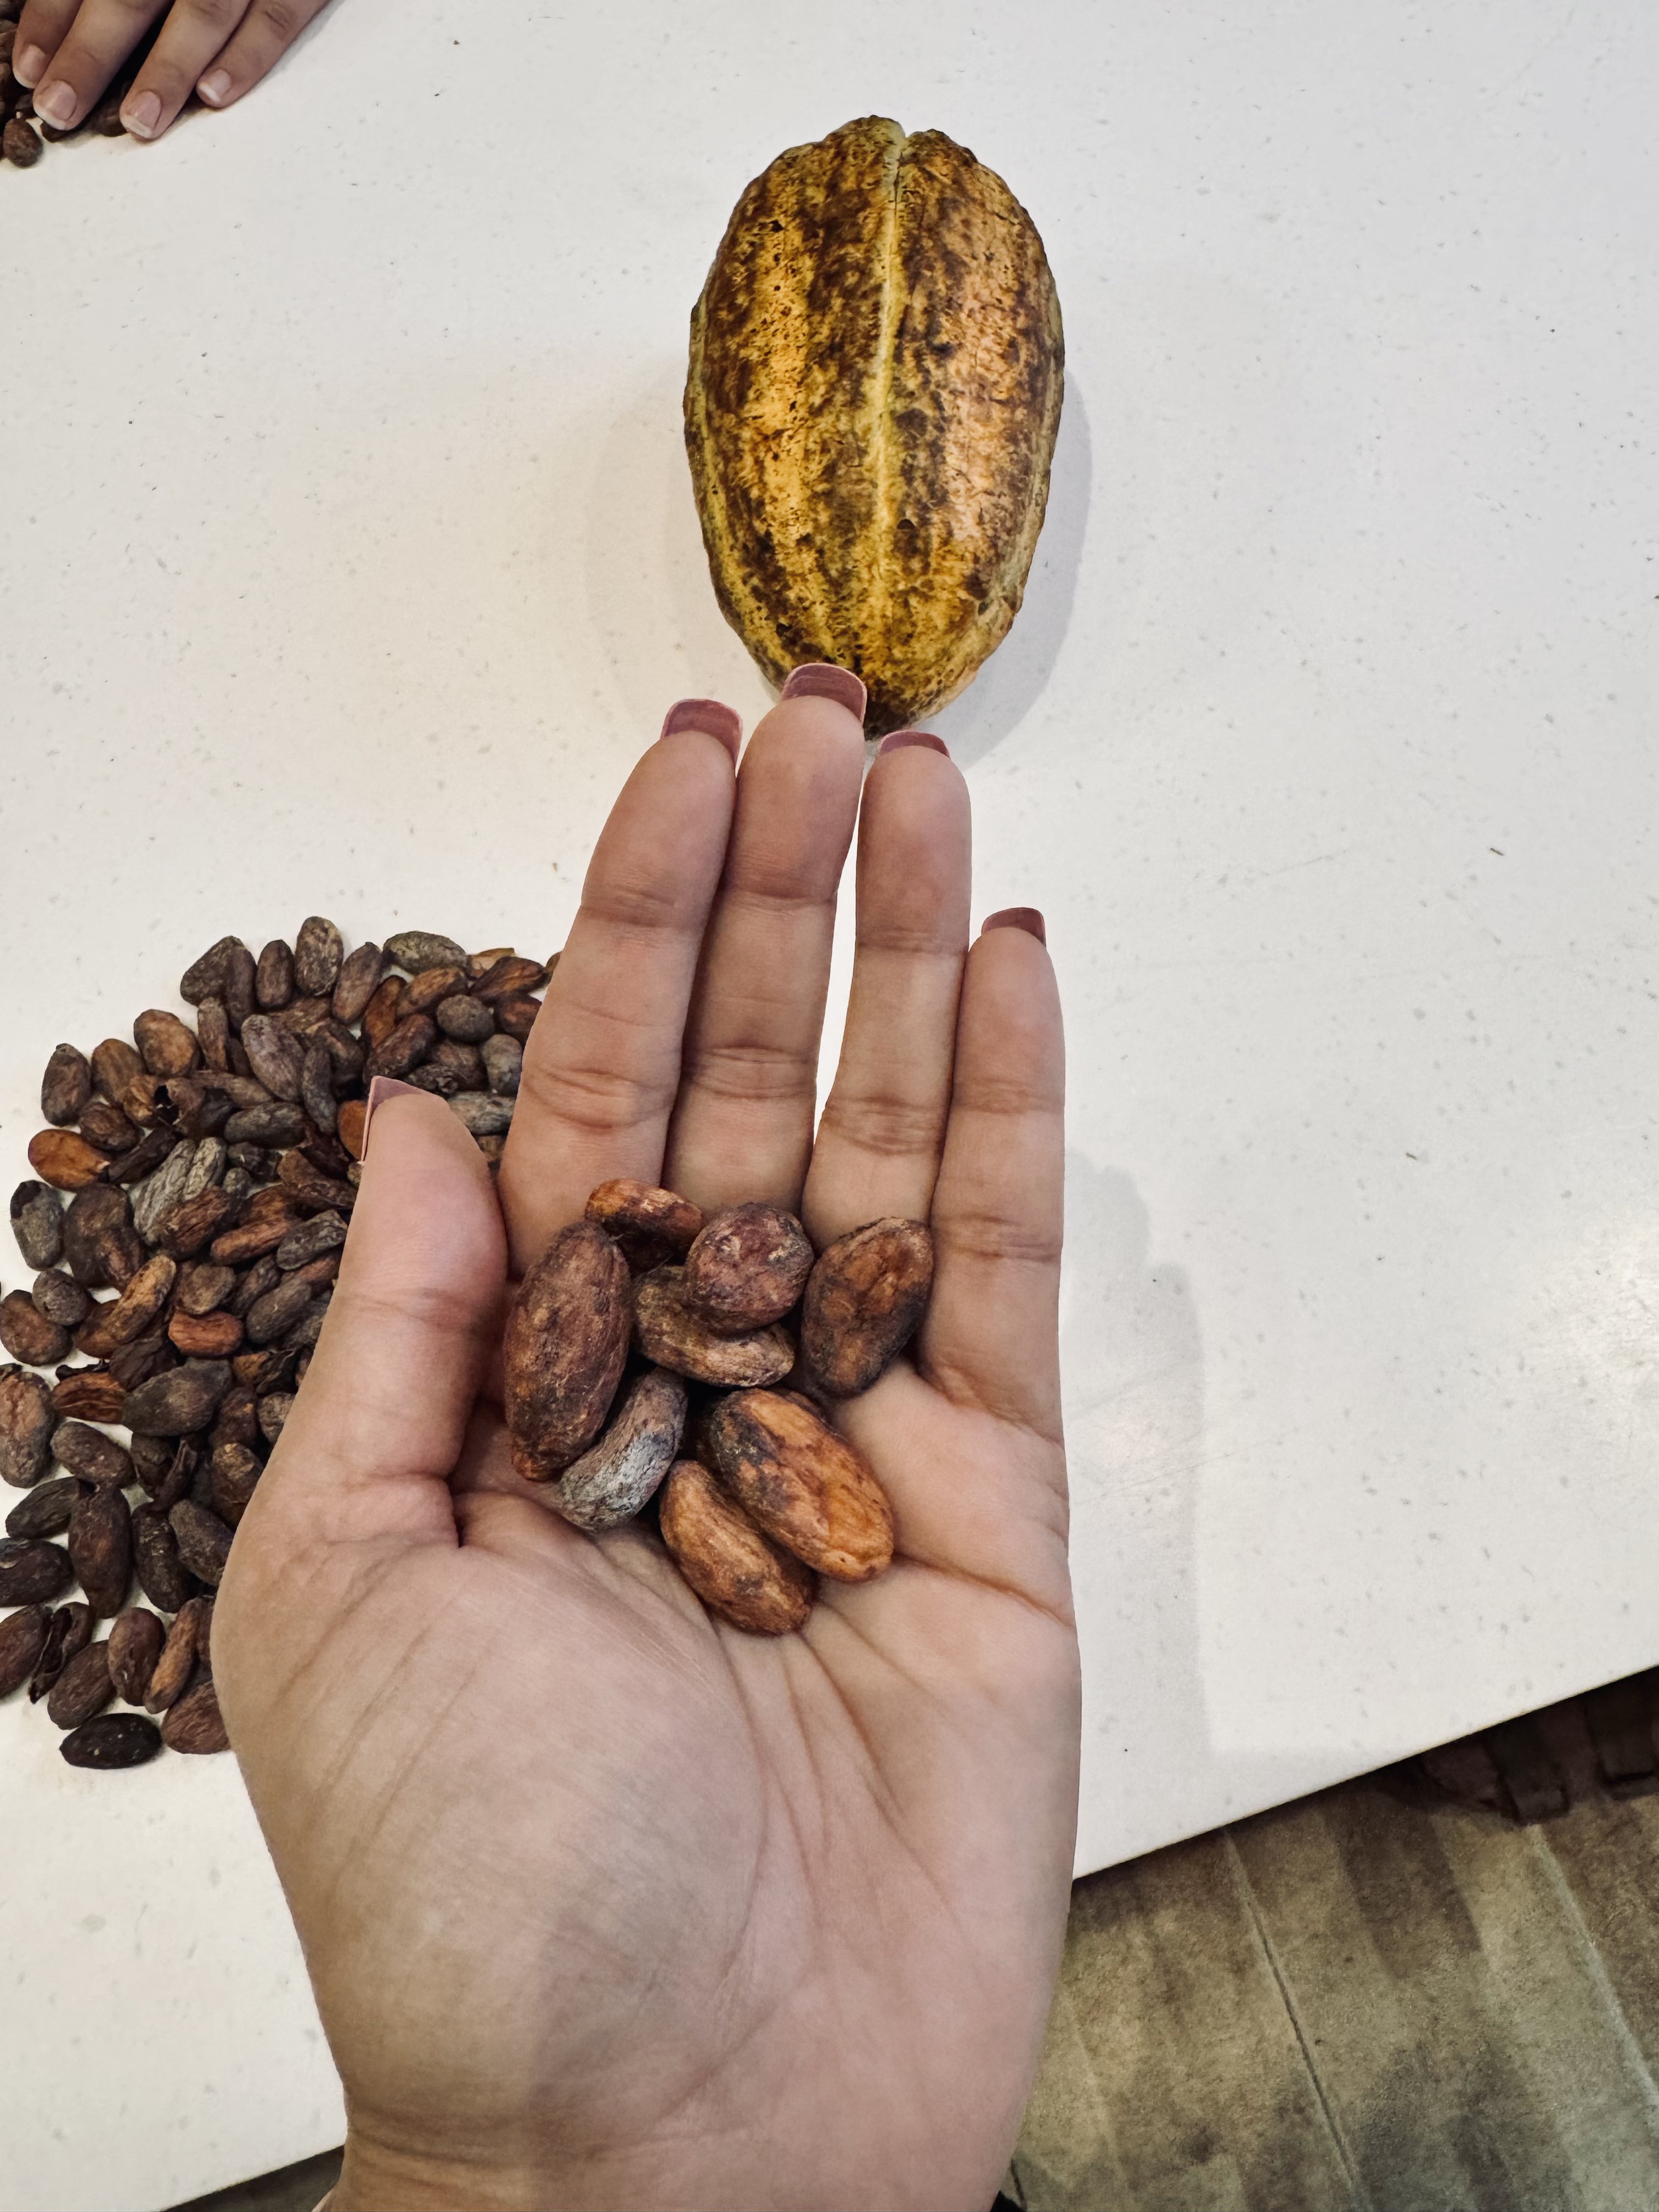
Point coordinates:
[(213, 87), (381, 1088), (822, 679), (26, 66), (142, 113), (1028, 918), (712, 718), (896, 740), (56, 102)]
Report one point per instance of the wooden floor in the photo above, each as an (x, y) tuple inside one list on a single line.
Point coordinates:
[(1378, 1999), (1432, 1991)]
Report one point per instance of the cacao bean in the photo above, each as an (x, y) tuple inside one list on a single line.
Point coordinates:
[(323, 1232), (423, 994), (273, 1124), (178, 1403), (201, 1110), (143, 1158), (212, 1034), (108, 1128), (22, 1640), (36, 1223), (865, 1300), (194, 1725), (46, 1511), (66, 1085), (274, 1409), (205, 978), (254, 1239), (668, 1332), (146, 1100), (380, 1015), (204, 1542), (165, 1045), (747, 1267), (311, 1192), (146, 1356), (346, 1053), (480, 963), (111, 1741), (202, 1285), (273, 980), (416, 949), (566, 1342), (305, 1017), (348, 1126), (305, 1332), (509, 977), (90, 1395), (236, 1471), (162, 1575), (193, 1224), (83, 1689), (126, 1318), (450, 1068), (466, 1019), (237, 1422), (205, 1336), (237, 988), (620, 1473), (114, 1064), (277, 1058), (60, 1298), (257, 1281), (737, 1571), (326, 1154), (136, 1638), (101, 1244), (154, 1198), (207, 1165), (67, 1631), (101, 1548), (654, 1226), (26, 1427), (515, 1014), (29, 1334), (504, 1057), (167, 1468), (33, 1571), (402, 1048), (276, 1311), (187, 1644), (802, 1484), (317, 1084), (66, 1161), (254, 1161), (316, 950), (19, 144), (360, 971), (91, 1455), (481, 1115)]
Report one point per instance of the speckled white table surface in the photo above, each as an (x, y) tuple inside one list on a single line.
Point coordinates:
[(350, 558)]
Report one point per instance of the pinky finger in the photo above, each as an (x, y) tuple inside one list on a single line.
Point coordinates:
[(264, 36)]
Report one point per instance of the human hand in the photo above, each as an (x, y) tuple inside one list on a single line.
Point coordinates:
[(70, 50), (605, 1902)]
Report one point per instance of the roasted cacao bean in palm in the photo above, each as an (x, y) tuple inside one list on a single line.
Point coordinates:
[(802, 1483), (737, 1571), (865, 1300), (668, 1332), (566, 1341)]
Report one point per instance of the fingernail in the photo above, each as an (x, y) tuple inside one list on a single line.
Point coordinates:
[(822, 679), (142, 113), (708, 716), (56, 102), (26, 66), (381, 1088), (896, 740), (213, 87), (1028, 918)]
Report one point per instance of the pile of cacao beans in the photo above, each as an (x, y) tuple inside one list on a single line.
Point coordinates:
[(21, 131), (738, 1337), (210, 1173)]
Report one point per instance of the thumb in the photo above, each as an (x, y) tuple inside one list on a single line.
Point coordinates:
[(377, 1430)]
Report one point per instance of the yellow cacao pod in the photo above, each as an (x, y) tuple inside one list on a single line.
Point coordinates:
[(877, 366)]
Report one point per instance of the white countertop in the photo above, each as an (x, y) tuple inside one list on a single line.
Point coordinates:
[(349, 559)]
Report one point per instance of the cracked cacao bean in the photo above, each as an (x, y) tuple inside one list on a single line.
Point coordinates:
[(126, 1317), (143, 1158), (67, 1631), (101, 1244), (802, 1483), (737, 1571), (146, 1356), (566, 1342), (865, 1300)]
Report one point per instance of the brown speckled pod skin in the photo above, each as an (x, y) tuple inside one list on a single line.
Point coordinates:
[(875, 384)]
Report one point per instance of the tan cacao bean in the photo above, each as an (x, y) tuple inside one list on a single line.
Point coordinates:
[(187, 1643), (65, 1161), (654, 1227), (802, 1483), (566, 1342), (165, 1045), (89, 1397), (735, 1569), (865, 1299)]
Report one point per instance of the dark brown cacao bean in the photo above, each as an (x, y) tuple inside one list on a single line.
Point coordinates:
[(45, 1510), (60, 1297), (204, 1541), (136, 1638), (237, 987), (277, 1057), (101, 1244), (515, 1014), (100, 1548), (178, 1403), (83, 1689), (203, 1286), (66, 1085), (22, 1640), (29, 1334), (91, 1455), (112, 1740), (416, 949), (33, 1571), (236, 1469), (36, 1223), (194, 1725), (162, 1575), (205, 978), (273, 980), (466, 1019), (26, 1422), (360, 971), (404, 1047), (424, 991)]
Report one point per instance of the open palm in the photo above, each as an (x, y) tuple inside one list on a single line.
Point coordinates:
[(604, 1901)]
